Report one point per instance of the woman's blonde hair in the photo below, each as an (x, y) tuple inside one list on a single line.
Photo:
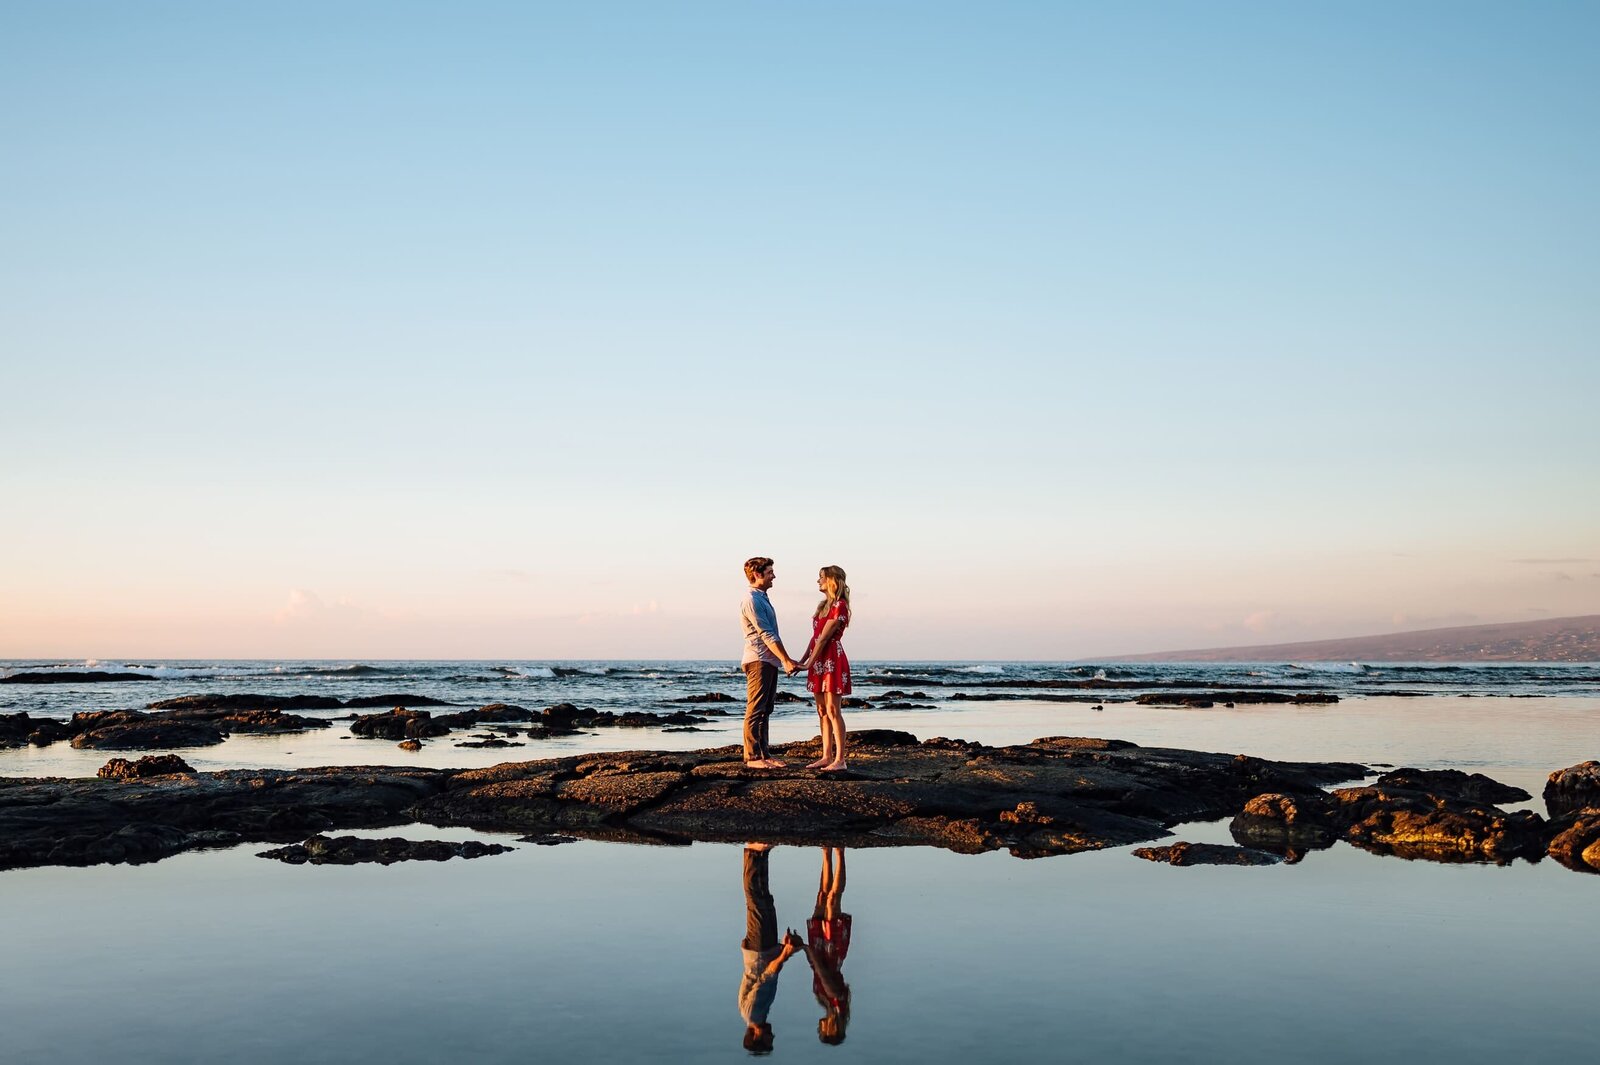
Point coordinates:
[(835, 574)]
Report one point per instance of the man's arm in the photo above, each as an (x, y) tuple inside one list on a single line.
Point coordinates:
[(767, 625)]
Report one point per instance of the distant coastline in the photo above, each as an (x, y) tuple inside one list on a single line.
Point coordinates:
[(1574, 639)]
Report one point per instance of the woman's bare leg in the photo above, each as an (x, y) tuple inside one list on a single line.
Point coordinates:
[(827, 736), (836, 887), (835, 726)]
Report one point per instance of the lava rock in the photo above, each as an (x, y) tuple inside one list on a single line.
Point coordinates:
[(1454, 784), (151, 765), (398, 724), (1206, 854), (355, 850), (1572, 789)]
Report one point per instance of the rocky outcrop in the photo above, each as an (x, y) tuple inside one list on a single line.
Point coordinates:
[(151, 765), (1401, 815), (131, 730), (560, 719), (19, 729), (398, 724), (1572, 796), (87, 821), (1416, 824), (1056, 795), (354, 850), (246, 701), (1454, 784), (1576, 842), (1229, 698), (190, 721), (1572, 789), (1206, 854), (71, 677), (1287, 824)]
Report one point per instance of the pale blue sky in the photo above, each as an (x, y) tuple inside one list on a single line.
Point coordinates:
[(510, 329)]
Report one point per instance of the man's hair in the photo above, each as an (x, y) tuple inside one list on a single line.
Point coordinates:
[(758, 1038), (754, 567)]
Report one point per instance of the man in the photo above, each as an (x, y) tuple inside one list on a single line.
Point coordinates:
[(764, 953), (763, 655)]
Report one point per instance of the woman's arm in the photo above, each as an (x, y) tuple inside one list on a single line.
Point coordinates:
[(825, 638)]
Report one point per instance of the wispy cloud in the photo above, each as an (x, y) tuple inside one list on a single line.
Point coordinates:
[(1550, 561), (1261, 620), (306, 605)]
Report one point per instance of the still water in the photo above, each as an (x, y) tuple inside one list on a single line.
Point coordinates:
[(607, 952)]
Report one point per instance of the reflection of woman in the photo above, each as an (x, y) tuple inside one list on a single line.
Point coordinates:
[(763, 955), (827, 941), (828, 670)]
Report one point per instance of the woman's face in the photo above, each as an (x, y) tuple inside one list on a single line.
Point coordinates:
[(825, 585)]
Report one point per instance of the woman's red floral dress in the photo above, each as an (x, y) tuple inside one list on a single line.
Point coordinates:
[(830, 670)]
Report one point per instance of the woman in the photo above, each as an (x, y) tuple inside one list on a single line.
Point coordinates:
[(827, 942), (827, 668)]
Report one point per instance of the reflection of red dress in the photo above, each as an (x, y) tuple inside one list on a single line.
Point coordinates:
[(829, 940), (830, 671)]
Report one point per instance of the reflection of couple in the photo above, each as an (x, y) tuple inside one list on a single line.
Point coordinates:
[(827, 668), (827, 940)]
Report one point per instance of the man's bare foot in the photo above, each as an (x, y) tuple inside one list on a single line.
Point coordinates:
[(774, 763), (758, 847)]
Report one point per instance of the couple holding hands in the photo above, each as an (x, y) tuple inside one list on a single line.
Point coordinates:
[(827, 668)]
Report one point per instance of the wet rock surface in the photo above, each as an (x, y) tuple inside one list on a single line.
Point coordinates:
[(1572, 789), (66, 677), (1454, 784), (151, 765), (1409, 813), (1230, 698), (86, 821), (354, 850), (1056, 795), (131, 730), (1206, 854), (1576, 842)]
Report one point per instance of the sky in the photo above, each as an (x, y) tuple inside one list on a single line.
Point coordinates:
[(482, 330)]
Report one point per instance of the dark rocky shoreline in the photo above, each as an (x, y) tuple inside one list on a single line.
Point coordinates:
[(1056, 795)]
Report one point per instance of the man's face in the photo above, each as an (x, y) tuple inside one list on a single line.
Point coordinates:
[(764, 579)]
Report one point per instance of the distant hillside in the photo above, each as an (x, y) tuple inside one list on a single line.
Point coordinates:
[(1550, 640)]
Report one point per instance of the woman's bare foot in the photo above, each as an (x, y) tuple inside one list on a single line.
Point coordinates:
[(833, 767), (818, 764)]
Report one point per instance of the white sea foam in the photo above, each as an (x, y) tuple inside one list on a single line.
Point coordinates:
[(167, 672), (528, 672), (979, 669)]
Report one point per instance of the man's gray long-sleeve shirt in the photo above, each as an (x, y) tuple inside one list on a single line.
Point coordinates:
[(760, 625)]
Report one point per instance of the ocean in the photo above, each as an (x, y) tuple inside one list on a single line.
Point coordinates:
[(618, 953)]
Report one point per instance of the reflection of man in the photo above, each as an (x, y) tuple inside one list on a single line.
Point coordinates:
[(763, 654), (763, 955)]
